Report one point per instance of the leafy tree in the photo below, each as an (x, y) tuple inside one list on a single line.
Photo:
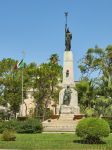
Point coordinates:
[(102, 105), (86, 93), (46, 78), (97, 65), (10, 84)]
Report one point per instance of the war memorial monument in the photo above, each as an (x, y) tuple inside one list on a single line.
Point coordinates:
[(68, 97)]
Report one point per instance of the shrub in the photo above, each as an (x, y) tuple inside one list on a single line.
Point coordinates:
[(30, 126), (27, 126), (110, 124), (11, 124), (92, 129), (8, 135)]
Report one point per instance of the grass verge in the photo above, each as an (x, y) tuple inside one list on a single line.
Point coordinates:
[(54, 141)]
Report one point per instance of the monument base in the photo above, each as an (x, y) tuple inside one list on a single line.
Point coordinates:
[(65, 123), (64, 109)]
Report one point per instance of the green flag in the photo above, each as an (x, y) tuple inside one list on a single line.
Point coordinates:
[(20, 65)]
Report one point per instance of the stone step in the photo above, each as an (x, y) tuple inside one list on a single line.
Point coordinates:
[(61, 122), (59, 126), (65, 123), (59, 129)]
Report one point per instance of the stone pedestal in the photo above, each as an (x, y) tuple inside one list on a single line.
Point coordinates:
[(73, 107), (69, 109)]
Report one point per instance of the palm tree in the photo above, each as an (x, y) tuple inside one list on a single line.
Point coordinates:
[(86, 93), (54, 58)]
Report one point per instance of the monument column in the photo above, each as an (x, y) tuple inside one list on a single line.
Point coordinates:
[(68, 97)]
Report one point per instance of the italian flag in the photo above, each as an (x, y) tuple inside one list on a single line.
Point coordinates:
[(19, 65)]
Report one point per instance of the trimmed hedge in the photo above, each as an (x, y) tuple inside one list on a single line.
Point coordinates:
[(92, 130), (27, 126)]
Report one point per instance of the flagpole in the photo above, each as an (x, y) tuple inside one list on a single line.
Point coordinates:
[(22, 87), (22, 93)]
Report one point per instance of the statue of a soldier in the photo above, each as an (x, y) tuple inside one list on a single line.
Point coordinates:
[(67, 96), (68, 37)]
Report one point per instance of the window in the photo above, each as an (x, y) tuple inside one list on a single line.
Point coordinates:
[(67, 73)]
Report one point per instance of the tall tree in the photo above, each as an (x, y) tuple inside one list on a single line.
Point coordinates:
[(46, 82), (11, 85), (97, 61), (97, 65)]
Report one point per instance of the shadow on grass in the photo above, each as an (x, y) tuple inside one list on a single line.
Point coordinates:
[(88, 142)]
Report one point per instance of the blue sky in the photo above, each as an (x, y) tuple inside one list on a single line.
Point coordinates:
[(37, 27)]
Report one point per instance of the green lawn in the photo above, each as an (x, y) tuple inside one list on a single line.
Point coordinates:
[(53, 142)]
